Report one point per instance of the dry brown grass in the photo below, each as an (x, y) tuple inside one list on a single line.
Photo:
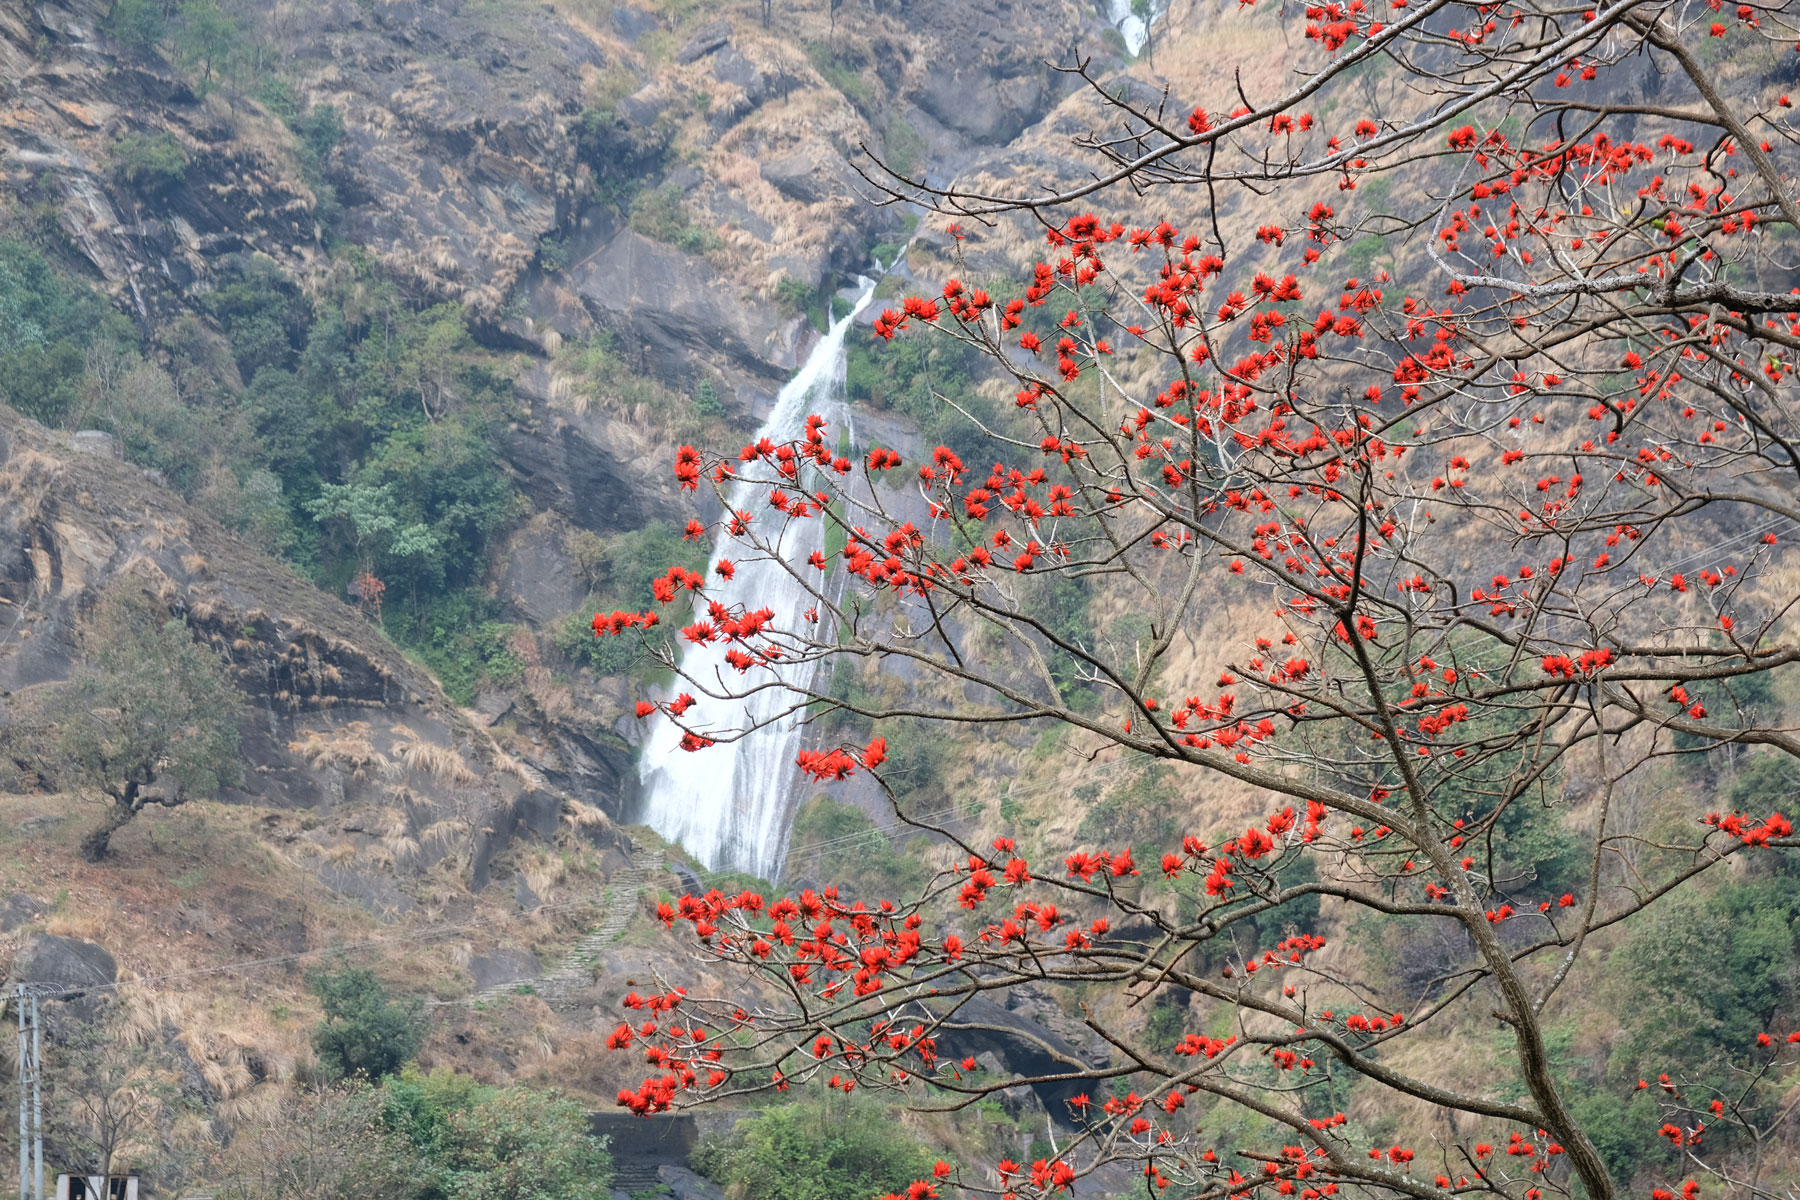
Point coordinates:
[(143, 1012), (438, 762), (543, 870), (70, 925), (349, 748), (584, 816)]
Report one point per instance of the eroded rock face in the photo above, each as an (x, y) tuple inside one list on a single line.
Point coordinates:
[(461, 126), (471, 132), (70, 100), (337, 723)]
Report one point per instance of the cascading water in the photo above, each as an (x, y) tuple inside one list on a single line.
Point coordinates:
[(728, 805), (1135, 29)]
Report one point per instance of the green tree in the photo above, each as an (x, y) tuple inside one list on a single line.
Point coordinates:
[(264, 315), (366, 1033), (207, 39), (149, 718), (1709, 972), (366, 513), (135, 23), (47, 323), (815, 1150), (518, 1144)]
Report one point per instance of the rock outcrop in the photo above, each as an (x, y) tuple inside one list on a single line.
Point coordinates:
[(337, 722)]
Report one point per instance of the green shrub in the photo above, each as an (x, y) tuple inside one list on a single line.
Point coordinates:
[(135, 23), (840, 844), (792, 295), (905, 148), (469, 1140), (816, 1149), (553, 255), (660, 213), (47, 323), (149, 161), (320, 129), (366, 1033), (519, 1144), (620, 569), (458, 635), (706, 400), (843, 76)]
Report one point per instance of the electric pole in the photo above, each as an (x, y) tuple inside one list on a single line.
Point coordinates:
[(31, 1097)]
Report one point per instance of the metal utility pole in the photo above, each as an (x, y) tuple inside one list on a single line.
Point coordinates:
[(31, 1097), (37, 1097), (24, 1130)]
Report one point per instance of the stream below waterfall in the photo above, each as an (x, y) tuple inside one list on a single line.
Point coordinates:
[(730, 805)]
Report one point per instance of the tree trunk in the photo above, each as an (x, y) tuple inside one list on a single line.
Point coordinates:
[(98, 843)]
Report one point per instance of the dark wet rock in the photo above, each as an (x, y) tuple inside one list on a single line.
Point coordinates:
[(492, 707), (668, 307), (1025, 1046)]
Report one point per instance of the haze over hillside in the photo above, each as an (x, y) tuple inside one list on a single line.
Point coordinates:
[(345, 349)]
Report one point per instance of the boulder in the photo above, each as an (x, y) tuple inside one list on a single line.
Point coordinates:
[(684, 1184), (502, 967), (733, 68), (95, 441), (48, 962), (710, 37), (632, 23), (645, 105), (808, 174)]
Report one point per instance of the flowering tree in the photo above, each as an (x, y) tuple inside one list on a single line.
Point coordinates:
[(1511, 512)]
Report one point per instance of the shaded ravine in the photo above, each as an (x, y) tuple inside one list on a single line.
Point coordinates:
[(729, 805)]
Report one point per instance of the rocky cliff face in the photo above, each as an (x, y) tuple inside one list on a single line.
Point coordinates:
[(475, 135), (472, 131), (681, 179), (68, 99), (338, 725)]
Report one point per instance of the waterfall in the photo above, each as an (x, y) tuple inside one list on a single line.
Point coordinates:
[(1133, 28), (729, 804)]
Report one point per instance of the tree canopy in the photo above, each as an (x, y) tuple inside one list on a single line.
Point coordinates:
[(1443, 454)]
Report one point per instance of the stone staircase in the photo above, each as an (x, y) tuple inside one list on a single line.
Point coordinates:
[(632, 1179), (567, 984)]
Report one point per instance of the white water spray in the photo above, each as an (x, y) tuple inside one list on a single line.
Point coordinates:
[(1132, 27), (729, 804)]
